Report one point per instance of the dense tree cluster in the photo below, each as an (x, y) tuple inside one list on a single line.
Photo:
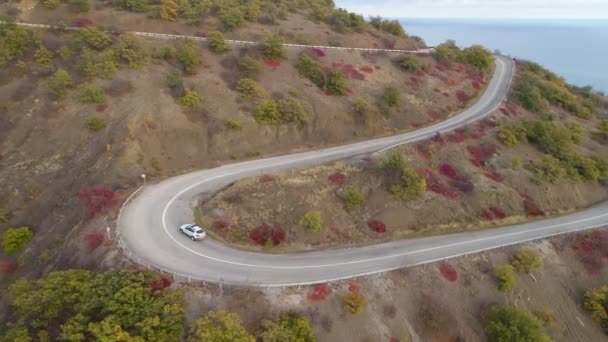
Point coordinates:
[(476, 56)]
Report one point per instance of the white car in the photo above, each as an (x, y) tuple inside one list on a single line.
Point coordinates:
[(193, 231)]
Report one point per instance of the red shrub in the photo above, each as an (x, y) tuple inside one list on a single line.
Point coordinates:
[(81, 22), (532, 209), (433, 184), (492, 214), (265, 233), (318, 52), (7, 266), (337, 178), (367, 69), (349, 71), (354, 287), (329, 93), (377, 226), (434, 115), (273, 64), (160, 284), (459, 135), (96, 198), (102, 107), (220, 224), (498, 213), (448, 171), (463, 184), (393, 339), (440, 67), (266, 179), (319, 293), (476, 85), (591, 248), (462, 96), (448, 272), (480, 154), (201, 34), (94, 240)]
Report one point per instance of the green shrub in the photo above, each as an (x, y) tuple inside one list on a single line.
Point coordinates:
[(546, 317), (188, 55), (165, 52), (512, 135), (250, 67), (4, 216), (79, 6), (92, 94), (219, 326), (268, 113), (507, 323), (15, 239), (43, 56), (272, 47), (548, 169), (336, 83), (59, 83), (94, 38), (390, 26), (579, 167), (292, 111), (352, 199), (250, 89), (360, 106), (174, 80), (231, 17), (94, 124), (289, 328), (408, 63), (477, 56), (526, 260), (403, 181), (93, 64), (311, 69), (343, 21), (391, 97), (354, 302), (603, 128), (168, 10), (134, 5), (217, 43), (506, 277), (596, 302), (190, 100), (528, 96), (130, 50), (51, 4), (64, 52), (14, 42), (233, 124), (312, 221)]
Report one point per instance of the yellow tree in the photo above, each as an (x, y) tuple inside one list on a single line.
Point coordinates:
[(168, 10)]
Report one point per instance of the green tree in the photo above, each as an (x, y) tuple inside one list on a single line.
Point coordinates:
[(506, 277), (250, 89), (547, 169), (250, 67), (408, 63), (596, 302), (93, 64), (232, 17), (188, 55), (94, 38), (289, 328), (92, 94), (268, 113), (219, 326), (292, 111), (477, 56), (512, 135), (272, 47), (59, 83), (352, 199), (312, 221), (14, 42), (217, 43), (506, 323), (403, 181), (14, 239), (130, 50), (168, 10), (311, 69), (336, 83), (526, 260), (190, 99), (43, 56), (79, 305)]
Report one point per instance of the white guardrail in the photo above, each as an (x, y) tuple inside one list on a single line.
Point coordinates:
[(425, 51)]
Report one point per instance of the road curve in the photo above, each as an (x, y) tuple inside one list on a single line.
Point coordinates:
[(147, 225)]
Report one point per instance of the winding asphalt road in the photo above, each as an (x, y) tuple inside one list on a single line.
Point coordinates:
[(148, 223)]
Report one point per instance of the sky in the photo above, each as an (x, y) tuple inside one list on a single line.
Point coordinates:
[(511, 9)]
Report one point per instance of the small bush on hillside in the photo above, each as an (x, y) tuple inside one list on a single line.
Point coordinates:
[(250, 67), (219, 326), (477, 56), (250, 89), (175, 82), (354, 302), (546, 317), (43, 56), (528, 96), (93, 64), (292, 111), (231, 17), (336, 83), (217, 43), (512, 135), (14, 42), (5, 216), (360, 106), (233, 124), (96, 198), (343, 21), (268, 113), (94, 124), (506, 277), (311, 69), (51, 4), (312, 221), (290, 327), (190, 100), (352, 199), (390, 26), (596, 302), (391, 97), (94, 38), (79, 6), (59, 83), (165, 53), (507, 323), (130, 50), (272, 47), (15, 239), (408, 63), (168, 10), (603, 128), (188, 55), (92, 94), (525, 260), (548, 169), (404, 182)]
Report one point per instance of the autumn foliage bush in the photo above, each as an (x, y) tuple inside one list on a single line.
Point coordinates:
[(318, 52), (481, 153), (337, 178), (493, 213), (160, 284), (266, 234), (96, 198), (82, 22), (591, 248), (448, 272), (94, 240), (376, 226), (319, 293), (7, 266)]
